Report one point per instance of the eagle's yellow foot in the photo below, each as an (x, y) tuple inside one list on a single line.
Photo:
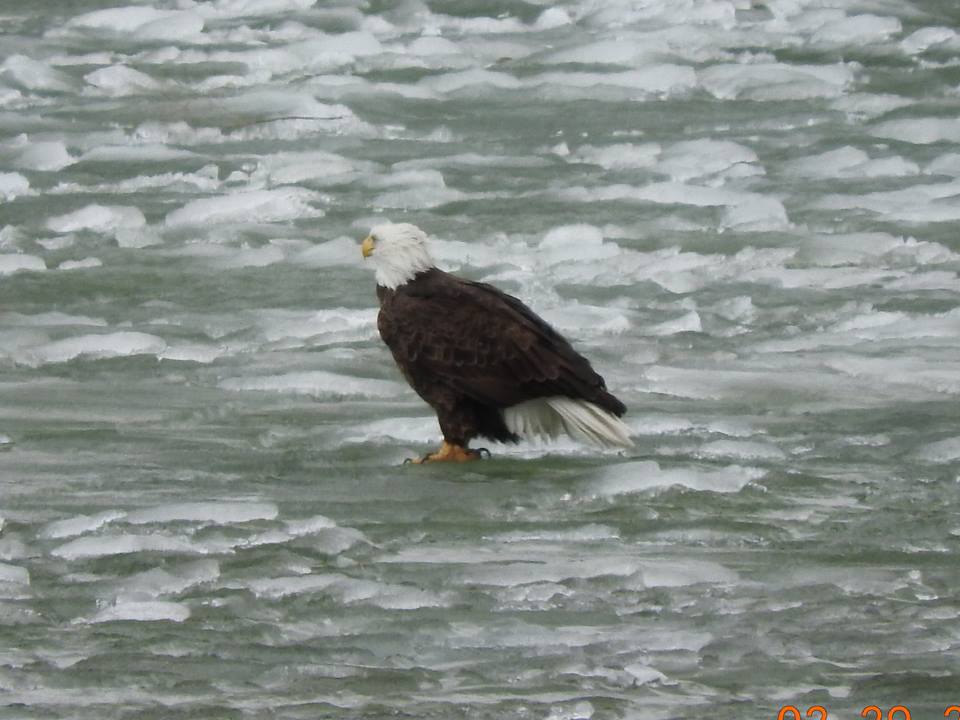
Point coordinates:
[(450, 453)]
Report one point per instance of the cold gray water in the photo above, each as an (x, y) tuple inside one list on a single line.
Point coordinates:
[(743, 211)]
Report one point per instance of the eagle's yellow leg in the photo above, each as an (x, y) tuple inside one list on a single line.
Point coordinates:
[(449, 452)]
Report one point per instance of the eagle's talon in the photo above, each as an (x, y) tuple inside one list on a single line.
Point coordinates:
[(479, 452), (449, 452)]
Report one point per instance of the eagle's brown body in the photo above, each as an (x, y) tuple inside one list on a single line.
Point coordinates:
[(471, 351)]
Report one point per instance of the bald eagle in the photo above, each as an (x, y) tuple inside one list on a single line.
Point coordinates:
[(484, 361)]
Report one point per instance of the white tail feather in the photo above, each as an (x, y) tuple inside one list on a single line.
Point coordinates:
[(580, 419)]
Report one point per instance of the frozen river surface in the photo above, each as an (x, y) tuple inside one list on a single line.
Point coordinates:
[(745, 212)]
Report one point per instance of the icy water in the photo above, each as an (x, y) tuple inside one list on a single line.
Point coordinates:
[(744, 212)]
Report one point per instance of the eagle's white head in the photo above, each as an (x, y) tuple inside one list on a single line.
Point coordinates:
[(398, 251)]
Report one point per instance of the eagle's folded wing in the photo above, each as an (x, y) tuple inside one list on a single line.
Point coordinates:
[(487, 345)]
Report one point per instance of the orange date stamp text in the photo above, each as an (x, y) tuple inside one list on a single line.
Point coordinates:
[(871, 712)]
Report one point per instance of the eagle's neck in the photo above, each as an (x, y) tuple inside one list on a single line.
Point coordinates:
[(402, 262), (384, 292)]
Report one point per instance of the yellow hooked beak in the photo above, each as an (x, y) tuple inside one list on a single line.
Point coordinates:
[(366, 247)]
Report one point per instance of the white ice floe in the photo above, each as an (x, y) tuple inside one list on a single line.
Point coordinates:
[(80, 524), (317, 383), (691, 159), (138, 22), (121, 80), (145, 153), (50, 319), (683, 572), (858, 30), (472, 80), (265, 206), (321, 327), (516, 633), (340, 251), (919, 130), (740, 450), (746, 211), (96, 546), (83, 264), (552, 17), (431, 45), (946, 164), (247, 257), (869, 105), (35, 75), (47, 155), (257, 113), (584, 533), (319, 169), (925, 38), (325, 537), (940, 452), (229, 9), (9, 96), (872, 326), (13, 575), (645, 675), (95, 346), (193, 352), (920, 203), (668, 193), (646, 475), (57, 243), (538, 595), (389, 596), (775, 81), (98, 218), (618, 156), (166, 580), (548, 569), (207, 513), (13, 184), (925, 378), (659, 424), (204, 180), (653, 80), (799, 384), (690, 322), (11, 263), (141, 611), (756, 213), (310, 525), (574, 243), (471, 160), (580, 320), (348, 591), (280, 587), (424, 189), (543, 567), (632, 49), (850, 162), (402, 429), (318, 53)]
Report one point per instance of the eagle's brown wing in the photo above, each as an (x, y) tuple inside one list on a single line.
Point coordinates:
[(483, 343)]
